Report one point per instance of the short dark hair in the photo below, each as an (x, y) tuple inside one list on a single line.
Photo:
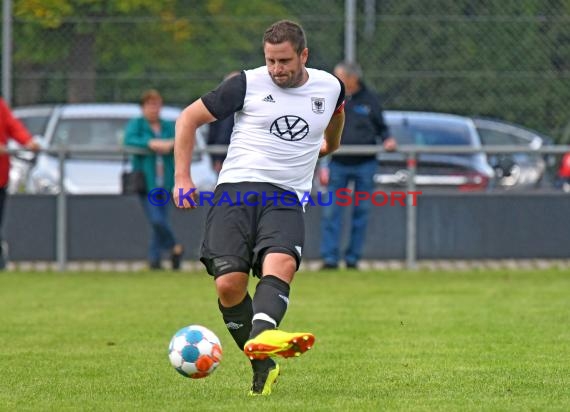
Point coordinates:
[(286, 30)]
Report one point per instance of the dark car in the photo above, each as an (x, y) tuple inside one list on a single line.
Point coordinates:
[(466, 172)]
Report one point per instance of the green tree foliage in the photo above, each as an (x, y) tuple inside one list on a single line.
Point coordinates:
[(507, 59), (502, 58), (173, 45)]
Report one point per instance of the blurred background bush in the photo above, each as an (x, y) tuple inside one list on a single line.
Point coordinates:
[(503, 58)]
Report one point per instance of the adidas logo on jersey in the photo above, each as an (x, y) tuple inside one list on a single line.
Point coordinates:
[(269, 99)]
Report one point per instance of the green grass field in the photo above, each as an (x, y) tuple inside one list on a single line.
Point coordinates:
[(481, 341)]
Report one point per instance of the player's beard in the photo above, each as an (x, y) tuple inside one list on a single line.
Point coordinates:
[(294, 80)]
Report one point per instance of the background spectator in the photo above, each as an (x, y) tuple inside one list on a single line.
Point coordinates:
[(10, 127), (364, 125), (152, 132)]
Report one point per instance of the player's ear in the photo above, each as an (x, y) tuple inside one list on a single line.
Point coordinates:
[(304, 55)]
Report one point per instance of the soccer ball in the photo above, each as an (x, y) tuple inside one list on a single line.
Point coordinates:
[(195, 351)]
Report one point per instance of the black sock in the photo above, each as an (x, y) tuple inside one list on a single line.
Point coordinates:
[(269, 304), (262, 365), (238, 320)]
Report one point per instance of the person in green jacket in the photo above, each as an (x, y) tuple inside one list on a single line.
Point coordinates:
[(151, 132)]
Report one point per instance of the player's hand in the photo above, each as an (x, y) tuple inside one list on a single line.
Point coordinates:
[(184, 194)]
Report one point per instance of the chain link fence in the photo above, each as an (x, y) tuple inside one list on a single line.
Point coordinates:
[(501, 58)]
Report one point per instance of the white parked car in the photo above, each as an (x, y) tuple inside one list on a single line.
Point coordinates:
[(92, 127)]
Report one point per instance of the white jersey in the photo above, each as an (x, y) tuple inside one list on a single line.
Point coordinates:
[(279, 131)]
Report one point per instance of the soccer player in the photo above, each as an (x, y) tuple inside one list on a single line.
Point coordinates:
[(286, 116)]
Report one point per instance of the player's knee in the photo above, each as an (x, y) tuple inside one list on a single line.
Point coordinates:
[(231, 274), (280, 261), (231, 288), (287, 262)]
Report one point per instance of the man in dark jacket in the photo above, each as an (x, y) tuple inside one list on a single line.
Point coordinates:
[(364, 125)]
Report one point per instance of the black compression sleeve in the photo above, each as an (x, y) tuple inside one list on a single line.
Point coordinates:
[(227, 98), (341, 94)]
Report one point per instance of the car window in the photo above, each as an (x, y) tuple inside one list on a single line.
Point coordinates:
[(492, 137), (100, 133), (36, 125), (89, 132), (431, 133)]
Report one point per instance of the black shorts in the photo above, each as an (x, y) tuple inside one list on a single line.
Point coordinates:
[(245, 222)]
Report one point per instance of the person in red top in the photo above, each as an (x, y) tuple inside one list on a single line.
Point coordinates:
[(10, 127)]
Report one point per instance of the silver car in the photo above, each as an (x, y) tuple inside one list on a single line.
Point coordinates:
[(92, 127), (523, 170)]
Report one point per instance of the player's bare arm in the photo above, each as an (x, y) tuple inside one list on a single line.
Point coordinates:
[(189, 120), (333, 133)]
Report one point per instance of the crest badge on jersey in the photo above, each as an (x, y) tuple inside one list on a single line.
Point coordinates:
[(318, 104)]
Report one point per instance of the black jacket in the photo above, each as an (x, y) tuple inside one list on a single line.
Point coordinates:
[(220, 134), (364, 123)]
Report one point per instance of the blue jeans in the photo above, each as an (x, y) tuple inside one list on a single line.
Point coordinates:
[(162, 237), (362, 174)]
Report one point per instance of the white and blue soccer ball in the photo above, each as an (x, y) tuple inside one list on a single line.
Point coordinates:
[(195, 351)]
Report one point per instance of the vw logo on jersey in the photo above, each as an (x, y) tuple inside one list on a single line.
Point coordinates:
[(290, 128)]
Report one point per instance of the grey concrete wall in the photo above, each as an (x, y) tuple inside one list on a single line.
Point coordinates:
[(454, 226)]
